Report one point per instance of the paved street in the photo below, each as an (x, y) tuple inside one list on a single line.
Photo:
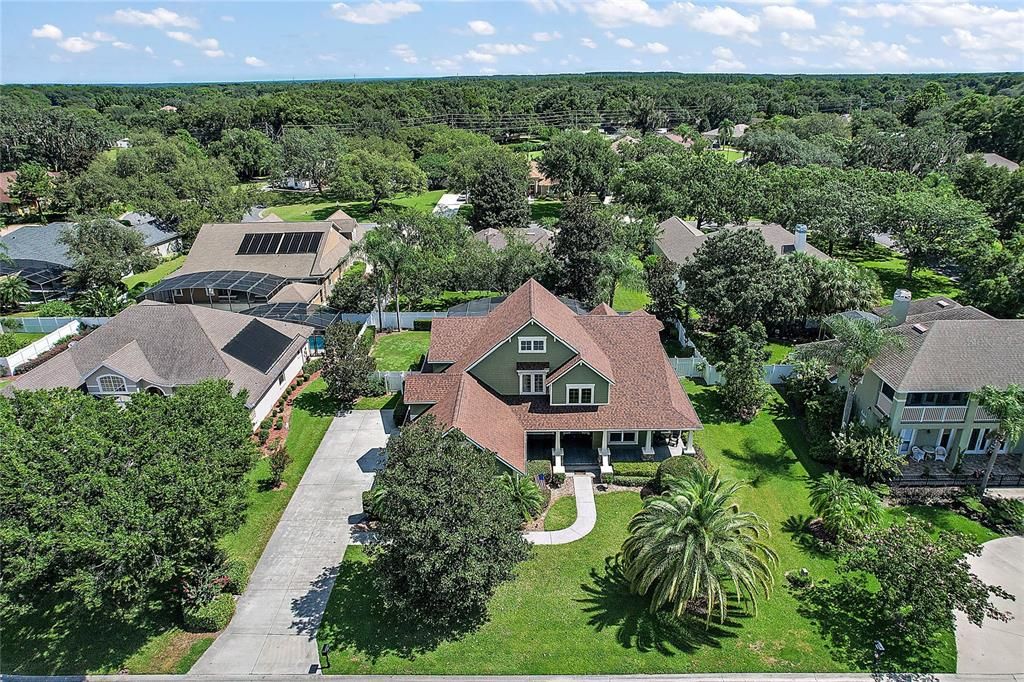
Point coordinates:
[(995, 647), (275, 624)]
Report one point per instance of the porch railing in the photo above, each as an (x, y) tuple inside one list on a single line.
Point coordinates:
[(983, 415), (920, 415), (959, 481)]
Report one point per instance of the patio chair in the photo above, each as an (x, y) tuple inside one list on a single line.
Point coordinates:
[(940, 454), (916, 454)]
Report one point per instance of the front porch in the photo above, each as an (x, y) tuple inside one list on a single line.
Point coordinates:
[(594, 451), (1006, 473)]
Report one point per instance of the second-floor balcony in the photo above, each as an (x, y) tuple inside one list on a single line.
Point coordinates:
[(934, 413)]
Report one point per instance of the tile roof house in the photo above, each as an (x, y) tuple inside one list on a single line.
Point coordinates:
[(234, 266), (991, 159), (922, 389), (738, 130), (533, 379), (157, 347), (540, 184), (680, 239), (7, 179), (41, 260)]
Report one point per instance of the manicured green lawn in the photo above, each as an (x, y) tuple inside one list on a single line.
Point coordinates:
[(891, 270), (777, 352), (295, 206), (628, 300), (54, 640), (569, 610), (153, 276), (387, 401), (562, 514), (400, 351), (944, 520), (730, 153), (545, 208)]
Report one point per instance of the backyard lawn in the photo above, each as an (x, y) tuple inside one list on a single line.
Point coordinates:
[(400, 351), (153, 276), (56, 641), (778, 351), (891, 270), (569, 610), (299, 206), (545, 208), (628, 300), (388, 401)]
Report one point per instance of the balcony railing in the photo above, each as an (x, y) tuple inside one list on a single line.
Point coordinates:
[(920, 415), (983, 415), (884, 404)]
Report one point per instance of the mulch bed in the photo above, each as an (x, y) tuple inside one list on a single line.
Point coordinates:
[(279, 435)]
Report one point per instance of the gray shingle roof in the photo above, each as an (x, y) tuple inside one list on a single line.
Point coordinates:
[(169, 345), (153, 231), (925, 306), (680, 239), (38, 243), (1001, 161)]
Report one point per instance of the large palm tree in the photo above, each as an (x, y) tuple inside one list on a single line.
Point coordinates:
[(843, 506), (1006, 405), (389, 252), (619, 266), (693, 543), (13, 290), (854, 346), (102, 302), (644, 114)]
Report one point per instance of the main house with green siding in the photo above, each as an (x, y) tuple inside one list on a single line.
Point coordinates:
[(534, 379), (923, 389)]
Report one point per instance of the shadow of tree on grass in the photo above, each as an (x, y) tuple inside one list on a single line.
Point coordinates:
[(611, 604), (317, 403)]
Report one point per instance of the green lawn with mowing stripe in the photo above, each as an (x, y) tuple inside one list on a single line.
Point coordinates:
[(400, 351)]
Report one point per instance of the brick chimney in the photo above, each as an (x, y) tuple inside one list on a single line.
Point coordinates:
[(800, 243), (900, 306)]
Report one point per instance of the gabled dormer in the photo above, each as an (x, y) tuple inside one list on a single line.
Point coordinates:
[(520, 364)]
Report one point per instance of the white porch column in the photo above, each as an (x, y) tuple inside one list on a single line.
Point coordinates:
[(648, 449), (690, 450), (606, 454), (558, 467)]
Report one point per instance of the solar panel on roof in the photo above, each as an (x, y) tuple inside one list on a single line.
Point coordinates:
[(257, 345), (263, 243)]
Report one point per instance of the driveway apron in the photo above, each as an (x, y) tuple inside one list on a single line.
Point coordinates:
[(276, 619)]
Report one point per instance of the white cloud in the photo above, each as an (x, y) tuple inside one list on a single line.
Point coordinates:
[(214, 53), (147, 49), (122, 45), (551, 6), (178, 63), (482, 57), (725, 61), (488, 70), (100, 36), (59, 59), (724, 21), (792, 18), (158, 18), (625, 42), (612, 13), (587, 42), (209, 46), (445, 64), (375, 12), (405, 53), (228, 18), (76, 44), (255, 61), (327, 57), (481, 27), (912, 39), (506, 48), (636, 62), (654, 48), (546, 36), (48, 31)]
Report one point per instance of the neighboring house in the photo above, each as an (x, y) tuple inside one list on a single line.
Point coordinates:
[(291, 182), (168, 107), (624, 140), (535, 235), (234, 266), (123, 143), (39, 259), (9, 203), (738, 131), (923, 391), (677, 138), (161, 237), (158, 348), (540, 184), (680, 239), (1001, 161), (534, 380)]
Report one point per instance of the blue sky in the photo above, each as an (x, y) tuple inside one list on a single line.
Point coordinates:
[(140, 42)]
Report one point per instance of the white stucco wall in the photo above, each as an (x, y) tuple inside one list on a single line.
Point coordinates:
[(266, 402)]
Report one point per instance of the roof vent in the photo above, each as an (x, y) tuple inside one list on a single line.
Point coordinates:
[(943, 303), (920, 328)]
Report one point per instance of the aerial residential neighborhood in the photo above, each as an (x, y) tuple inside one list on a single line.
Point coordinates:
[(536, 339)]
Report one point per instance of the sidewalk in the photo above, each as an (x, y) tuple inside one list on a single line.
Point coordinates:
[(276, 620), (586, 517)]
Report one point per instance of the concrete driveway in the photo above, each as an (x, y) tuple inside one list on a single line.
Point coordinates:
[(276, 620), (995, 647)]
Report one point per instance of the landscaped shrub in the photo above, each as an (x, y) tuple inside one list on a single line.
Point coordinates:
[(678, 467), (809, 379), (558, 479), (641, 469), (1006, 515), (871, 453), (312, 366), (526, 496), (421, 325), (375, 386), (56, 309), (237, 573), (626, 481), (212, 616), (822, 416), (263, 435), (535, 468), (266, 423), (279, 461)]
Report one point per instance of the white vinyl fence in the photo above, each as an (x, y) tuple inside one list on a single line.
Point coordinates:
[(32, 351), (395, 381), (698, 366)]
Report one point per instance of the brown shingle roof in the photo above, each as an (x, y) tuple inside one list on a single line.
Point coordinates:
[(680, 239), (450, 335), (603, 309)]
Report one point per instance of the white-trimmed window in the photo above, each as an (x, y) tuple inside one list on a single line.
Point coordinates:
[(177, 293), (112, 383), (579, 394), (622, 437), (533, 344), (531, 383), (210, 292)]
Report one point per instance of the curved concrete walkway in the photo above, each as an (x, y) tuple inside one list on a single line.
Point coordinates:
[(995, 647), (586, 517)]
